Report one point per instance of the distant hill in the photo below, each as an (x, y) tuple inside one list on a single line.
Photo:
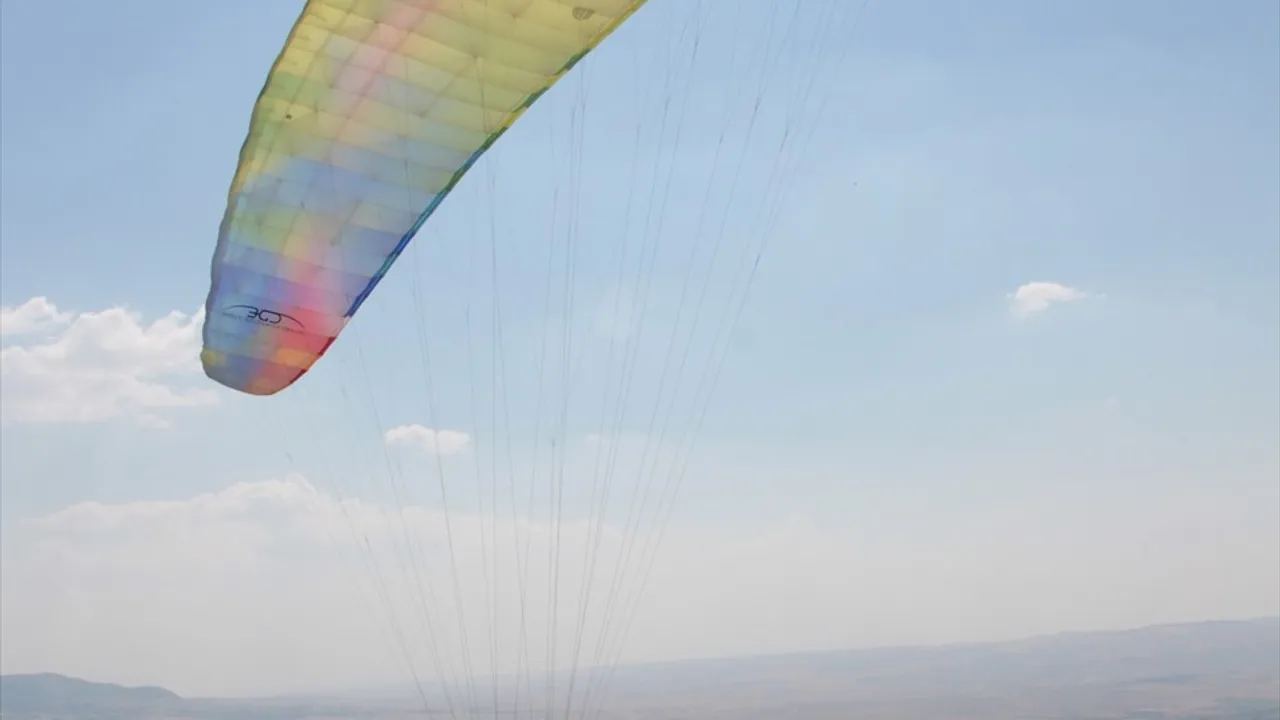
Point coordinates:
[(1216, 646), (1219, 670), (50, 693), (1202, 671)]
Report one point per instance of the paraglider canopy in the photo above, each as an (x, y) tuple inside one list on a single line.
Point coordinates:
[(370, 116)]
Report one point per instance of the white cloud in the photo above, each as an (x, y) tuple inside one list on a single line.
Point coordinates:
[(436, 442), (1035, 297), (93, 366), (32, 316)]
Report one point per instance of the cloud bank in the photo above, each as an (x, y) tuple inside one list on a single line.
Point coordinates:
[(35, 315), (83, 367), (276, 586)]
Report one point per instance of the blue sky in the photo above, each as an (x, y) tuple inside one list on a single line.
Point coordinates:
[(884, 405)]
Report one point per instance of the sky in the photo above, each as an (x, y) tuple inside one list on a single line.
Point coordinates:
[(1009, 362)]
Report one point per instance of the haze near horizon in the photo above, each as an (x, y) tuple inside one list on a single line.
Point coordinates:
[(1009, 363)]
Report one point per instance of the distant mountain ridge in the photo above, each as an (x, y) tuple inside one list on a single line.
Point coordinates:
[(1220, 670), (1228, 641), (50, 692)]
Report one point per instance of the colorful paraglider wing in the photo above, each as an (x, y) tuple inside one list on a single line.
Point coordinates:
[(371, 114)]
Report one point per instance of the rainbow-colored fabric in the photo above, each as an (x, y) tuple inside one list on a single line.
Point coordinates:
[(371, 114)]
